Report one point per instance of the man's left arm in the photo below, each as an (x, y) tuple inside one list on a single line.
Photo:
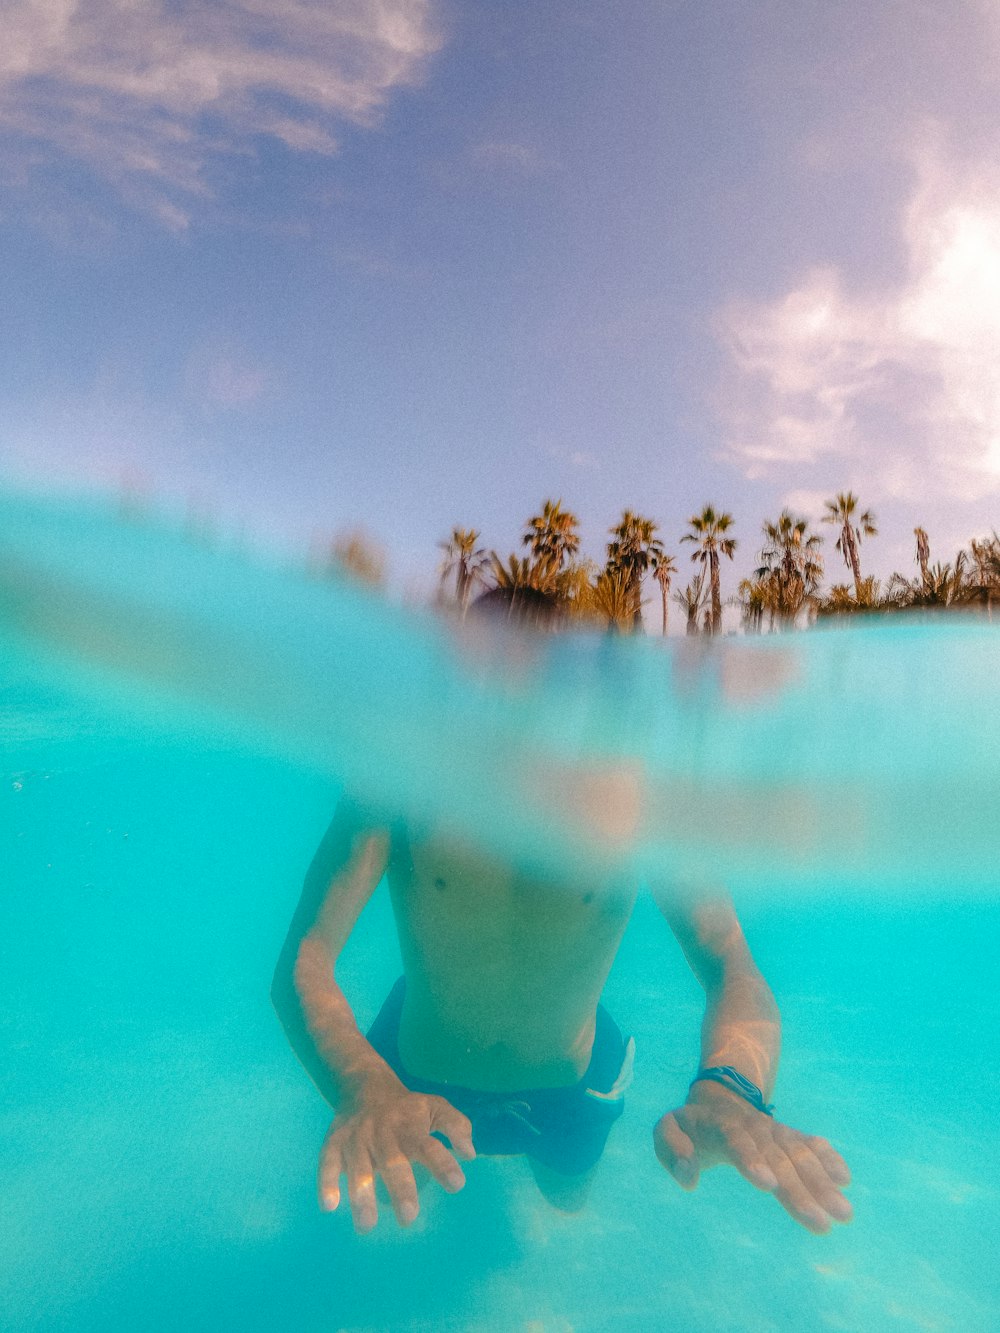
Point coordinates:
[(741, 1033)]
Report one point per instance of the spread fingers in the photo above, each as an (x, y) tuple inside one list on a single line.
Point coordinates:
[(440, 1163)]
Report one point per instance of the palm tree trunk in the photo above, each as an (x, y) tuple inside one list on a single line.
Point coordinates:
[(852, 552), (923, 553), (664, 592), (635, 599), (713, 565)]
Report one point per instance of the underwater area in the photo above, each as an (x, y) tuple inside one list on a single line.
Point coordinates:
[(159, 1137)]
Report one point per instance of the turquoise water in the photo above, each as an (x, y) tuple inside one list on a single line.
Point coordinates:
[(160, 1141)]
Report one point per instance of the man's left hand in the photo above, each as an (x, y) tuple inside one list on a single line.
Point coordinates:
[(804, 1173)]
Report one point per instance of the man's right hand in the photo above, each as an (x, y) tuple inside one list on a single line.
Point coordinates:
[(385, 1132)]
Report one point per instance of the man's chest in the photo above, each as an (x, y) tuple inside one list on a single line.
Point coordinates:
[(447, 899)]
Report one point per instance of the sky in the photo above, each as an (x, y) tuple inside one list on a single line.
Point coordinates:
[(402, 265)]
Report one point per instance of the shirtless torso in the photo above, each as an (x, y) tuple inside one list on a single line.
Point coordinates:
[(504, 972)]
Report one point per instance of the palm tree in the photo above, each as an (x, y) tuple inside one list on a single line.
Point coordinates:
[(842, 600), (553, 538), (633, 550), (612, 600), (574, 586), (690, 601), (942, 585), (984, 583), (466, 560), (939, 585), (754, 598), (354, 553), (841, 512), (986, 557), (664, 567), (791, 567), (516, 573), (923, 552), (708, 532)]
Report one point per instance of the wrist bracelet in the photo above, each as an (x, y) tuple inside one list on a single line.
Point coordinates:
[(733, 1080)]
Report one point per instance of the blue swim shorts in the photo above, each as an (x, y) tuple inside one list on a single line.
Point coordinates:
[(564, 1129)]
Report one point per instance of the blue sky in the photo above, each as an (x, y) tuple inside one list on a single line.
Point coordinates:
[(407, 264)]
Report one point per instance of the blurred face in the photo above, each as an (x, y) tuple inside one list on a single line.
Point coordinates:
[(523, 608), (496, 640)]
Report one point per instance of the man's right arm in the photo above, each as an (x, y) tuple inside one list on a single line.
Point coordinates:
[(316, 1017), (380, 1128)]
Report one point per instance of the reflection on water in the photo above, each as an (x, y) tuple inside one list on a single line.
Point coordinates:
[(872, 753)]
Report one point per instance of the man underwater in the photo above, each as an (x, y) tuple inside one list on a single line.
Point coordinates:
[(494, 1041)]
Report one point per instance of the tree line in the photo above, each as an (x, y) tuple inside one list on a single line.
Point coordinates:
[(783, 591)]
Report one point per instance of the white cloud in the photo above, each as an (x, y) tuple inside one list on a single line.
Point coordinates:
[(146, 93), (902, 384)]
